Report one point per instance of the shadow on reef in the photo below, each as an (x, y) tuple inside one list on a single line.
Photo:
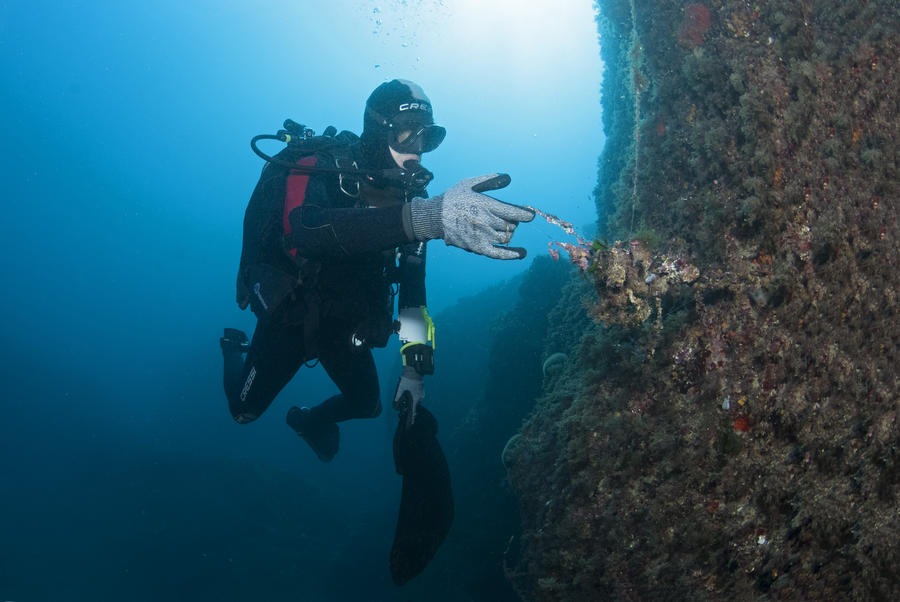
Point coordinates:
[(732, 429)]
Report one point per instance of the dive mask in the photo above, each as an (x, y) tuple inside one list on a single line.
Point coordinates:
[(415, 139), (412, 132)]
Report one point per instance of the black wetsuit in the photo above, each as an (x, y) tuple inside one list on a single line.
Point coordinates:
[(319, 265), (318, 268)]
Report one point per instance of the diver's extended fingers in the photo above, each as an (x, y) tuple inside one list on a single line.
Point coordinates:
[(490, 182), (496, 251), (481, 184), (510, 212)]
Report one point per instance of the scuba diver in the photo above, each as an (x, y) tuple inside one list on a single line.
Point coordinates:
[(335, 229)]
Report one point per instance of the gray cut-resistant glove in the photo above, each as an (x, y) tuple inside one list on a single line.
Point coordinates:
[(467, 219), (410, 392)]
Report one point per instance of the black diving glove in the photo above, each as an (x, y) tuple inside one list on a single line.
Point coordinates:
[(470, 220)]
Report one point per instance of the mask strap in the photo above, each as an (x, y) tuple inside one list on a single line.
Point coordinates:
[(377, 116)]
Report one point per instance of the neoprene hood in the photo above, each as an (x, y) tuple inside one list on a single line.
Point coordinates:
[(393, 102)]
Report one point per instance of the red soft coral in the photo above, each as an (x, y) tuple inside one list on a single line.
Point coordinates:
[(696, 22)]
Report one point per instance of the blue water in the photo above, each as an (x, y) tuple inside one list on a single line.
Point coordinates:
[(125, 173)]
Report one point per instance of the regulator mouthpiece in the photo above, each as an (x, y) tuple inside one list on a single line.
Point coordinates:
[(416, 177)]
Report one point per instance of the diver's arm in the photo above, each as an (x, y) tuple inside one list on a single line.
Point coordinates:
[(416, 328), (412, 275), (318, 231), (463, 217), (416, 331)]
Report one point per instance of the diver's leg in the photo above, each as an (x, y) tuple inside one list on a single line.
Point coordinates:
[(234, 345), (352, 369), (274, 356)]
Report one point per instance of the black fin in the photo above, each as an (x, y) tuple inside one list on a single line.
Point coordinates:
[(426, 503)]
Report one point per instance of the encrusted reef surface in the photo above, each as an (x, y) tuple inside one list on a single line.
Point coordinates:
[(727, 425)]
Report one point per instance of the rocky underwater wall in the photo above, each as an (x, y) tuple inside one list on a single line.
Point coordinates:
[(729, 427)]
